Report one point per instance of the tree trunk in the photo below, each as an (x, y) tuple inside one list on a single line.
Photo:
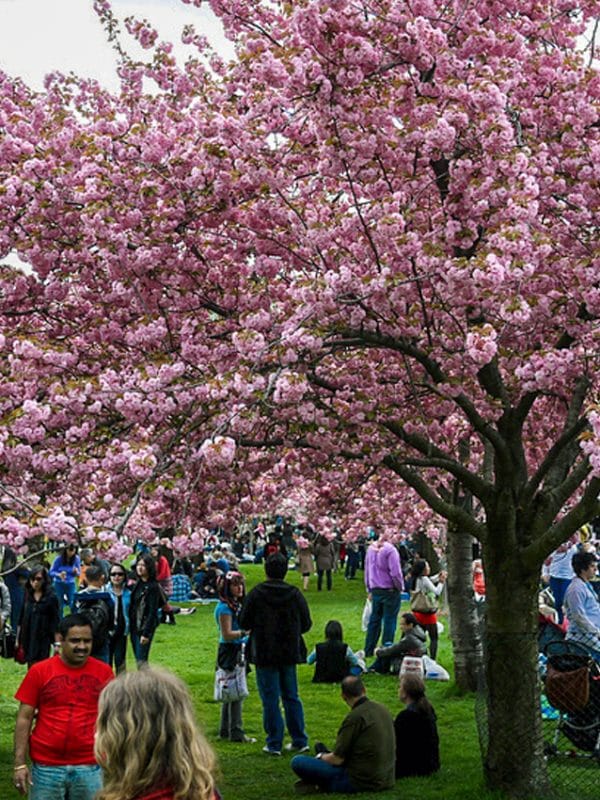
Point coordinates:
[(465, 624), (513, 748)]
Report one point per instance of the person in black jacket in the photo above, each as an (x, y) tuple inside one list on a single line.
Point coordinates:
[(39, 618), (413, 642), (277, 615), (146, 599), (417, 741)]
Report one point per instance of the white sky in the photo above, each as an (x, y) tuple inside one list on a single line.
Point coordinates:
[(39, 36)]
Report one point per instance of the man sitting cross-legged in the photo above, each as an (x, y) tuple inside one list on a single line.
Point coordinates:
[(364, 755)]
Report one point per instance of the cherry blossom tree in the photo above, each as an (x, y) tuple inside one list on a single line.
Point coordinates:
[(362, 255)]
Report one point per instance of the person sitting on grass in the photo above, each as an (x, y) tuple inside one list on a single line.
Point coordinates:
[(333, 659), (417, 741), (413, 642), (364, 753)]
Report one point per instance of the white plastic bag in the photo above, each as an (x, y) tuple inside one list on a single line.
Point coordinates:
[(366, 614), (435, 671)]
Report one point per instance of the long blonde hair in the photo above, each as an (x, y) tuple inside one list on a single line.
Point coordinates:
[(147, 738)]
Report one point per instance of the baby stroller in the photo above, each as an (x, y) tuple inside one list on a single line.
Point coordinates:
[(572, 686)]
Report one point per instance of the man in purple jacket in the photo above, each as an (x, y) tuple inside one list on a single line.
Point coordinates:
[(384, 582)]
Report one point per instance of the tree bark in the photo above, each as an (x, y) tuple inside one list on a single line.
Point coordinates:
[(465, 624), (513, 748)]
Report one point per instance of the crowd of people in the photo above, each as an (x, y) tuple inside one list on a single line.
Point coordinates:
[(145, 717), (134, 737)]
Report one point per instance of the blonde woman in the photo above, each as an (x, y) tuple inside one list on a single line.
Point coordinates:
[(148, 743)]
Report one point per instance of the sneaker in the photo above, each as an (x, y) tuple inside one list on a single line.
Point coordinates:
[(245, 740), (267, 749), (293, 748), (302, 787)]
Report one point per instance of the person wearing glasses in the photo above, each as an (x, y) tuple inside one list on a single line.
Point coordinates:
[(121, 596), (39, 617)]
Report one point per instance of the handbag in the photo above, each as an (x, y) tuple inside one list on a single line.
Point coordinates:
[(421, 602), (7, 642), (366, 614), (231, 685), (20, 656)]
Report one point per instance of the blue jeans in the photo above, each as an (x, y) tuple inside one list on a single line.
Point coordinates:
[(79, 782), (275, 683), (140, 651), (558, 587), (62, 589), (320, 773), (385, 607)]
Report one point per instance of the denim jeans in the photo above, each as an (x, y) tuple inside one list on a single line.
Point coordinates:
[(275, 683), (558, 587), (62, 589), (320, 773), (79, 782), (140, 651), (385, 607)]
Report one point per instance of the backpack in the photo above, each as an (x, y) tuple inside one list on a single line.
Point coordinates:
[(99, 614)]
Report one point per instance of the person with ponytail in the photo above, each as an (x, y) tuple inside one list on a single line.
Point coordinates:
[(417, 741), (231, 590)]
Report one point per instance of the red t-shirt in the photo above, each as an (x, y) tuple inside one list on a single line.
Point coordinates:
[(66, 699)]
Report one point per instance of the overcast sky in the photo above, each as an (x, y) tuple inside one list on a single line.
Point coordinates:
[(39, 36)]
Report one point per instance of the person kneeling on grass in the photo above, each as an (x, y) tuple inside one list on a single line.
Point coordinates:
[(363, 758), (333, 659)]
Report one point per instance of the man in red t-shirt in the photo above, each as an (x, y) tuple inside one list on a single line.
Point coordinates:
[(61, 693)]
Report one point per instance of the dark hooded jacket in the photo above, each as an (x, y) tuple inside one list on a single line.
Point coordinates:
[(277, 615)]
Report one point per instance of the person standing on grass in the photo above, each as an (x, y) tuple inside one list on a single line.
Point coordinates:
[(364, 754), (277, 615), (384, 582), (231, 590), (145, 601), (325, 557), (433, 587), (39, 618), (65, 568), (59, 700), (121, 596)]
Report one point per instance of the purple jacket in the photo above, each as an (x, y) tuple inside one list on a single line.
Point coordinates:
[(382, 568)]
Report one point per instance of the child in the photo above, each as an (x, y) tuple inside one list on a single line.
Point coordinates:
[(333, 659)]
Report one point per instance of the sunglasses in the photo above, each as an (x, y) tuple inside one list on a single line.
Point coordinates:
[(37, 578), (117, 574)]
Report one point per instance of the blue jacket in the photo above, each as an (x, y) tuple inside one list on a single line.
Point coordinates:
[(126, 597)]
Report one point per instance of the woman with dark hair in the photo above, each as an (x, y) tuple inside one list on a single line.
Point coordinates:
[(121, 596), (39, 618), (333, 659), (146, 599), (432, 587), (231, 590), (324, 552), (417, 740), (64, 570)]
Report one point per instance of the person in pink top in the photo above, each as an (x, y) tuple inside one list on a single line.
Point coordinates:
[(384, 582)]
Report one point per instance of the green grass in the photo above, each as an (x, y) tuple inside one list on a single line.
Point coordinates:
[(189, 649)]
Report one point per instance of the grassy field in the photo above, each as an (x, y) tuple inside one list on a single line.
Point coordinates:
[(189, 649)]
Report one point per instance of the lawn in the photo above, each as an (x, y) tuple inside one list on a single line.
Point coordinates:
[(189, 650)]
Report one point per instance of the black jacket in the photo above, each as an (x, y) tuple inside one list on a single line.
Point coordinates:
[(277, 615), (417, 743), (146, 599)]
